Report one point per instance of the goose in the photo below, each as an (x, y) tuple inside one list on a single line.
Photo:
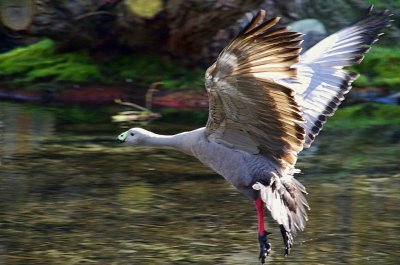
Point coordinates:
[(268, 102)]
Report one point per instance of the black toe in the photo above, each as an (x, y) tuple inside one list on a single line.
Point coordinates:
[(287, 240), (265, 247)]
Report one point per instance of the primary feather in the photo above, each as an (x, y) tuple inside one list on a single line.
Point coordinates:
[(321, 82)]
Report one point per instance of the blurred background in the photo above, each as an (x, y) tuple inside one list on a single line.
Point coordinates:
[(76, 73)]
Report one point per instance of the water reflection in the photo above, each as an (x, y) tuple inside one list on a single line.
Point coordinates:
[(71, 196), (22, 130)]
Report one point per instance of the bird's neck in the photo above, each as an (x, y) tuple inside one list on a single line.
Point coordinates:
[(181, 141), (159, 140)]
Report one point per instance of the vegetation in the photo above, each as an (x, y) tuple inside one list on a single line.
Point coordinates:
[(145, 69), (145, 8), (384, 3), (380, 68), (40, 62), (364, 116)]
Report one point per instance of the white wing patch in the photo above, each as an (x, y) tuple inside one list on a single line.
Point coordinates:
[(321, 82)]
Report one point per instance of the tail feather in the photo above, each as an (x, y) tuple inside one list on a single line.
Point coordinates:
[(284, 198)]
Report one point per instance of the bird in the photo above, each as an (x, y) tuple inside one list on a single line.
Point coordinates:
[(268, 101)]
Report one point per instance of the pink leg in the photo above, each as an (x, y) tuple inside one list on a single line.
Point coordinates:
[(265, 246), (259, 204)]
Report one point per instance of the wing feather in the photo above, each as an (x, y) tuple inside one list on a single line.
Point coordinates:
[(321, 83), (249, 111)]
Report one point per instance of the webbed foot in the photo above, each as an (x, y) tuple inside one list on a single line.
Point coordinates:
[(265, 247)]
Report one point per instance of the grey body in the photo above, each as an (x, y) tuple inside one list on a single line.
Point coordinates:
[(239, 168)]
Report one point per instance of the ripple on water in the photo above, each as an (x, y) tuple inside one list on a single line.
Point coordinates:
[(75, 197)]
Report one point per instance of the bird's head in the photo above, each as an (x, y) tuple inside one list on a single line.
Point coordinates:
[(134, 136)]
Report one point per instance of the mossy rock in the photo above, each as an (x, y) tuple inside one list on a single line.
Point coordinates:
[(41, 62), (16, 14)]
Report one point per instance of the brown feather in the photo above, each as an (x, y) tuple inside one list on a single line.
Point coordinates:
[(246, 105), (254, 22)]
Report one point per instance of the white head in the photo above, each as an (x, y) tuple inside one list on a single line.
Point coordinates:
[(135, 136)]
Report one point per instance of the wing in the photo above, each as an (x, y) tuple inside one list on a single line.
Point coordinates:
[(248, 110), (322, 83)]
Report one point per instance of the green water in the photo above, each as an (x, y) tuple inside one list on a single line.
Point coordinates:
[(69, 194)]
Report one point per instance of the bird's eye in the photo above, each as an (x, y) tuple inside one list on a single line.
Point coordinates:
[(132, 134)]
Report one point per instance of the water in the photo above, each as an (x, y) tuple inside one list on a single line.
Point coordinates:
[(70, 195)]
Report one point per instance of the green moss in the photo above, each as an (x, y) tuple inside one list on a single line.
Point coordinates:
[(145, 69), (40, 62), (365, 116), (380, 68), (384, 3)]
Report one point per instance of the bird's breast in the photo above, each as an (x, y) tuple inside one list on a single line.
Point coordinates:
[(240, 168)]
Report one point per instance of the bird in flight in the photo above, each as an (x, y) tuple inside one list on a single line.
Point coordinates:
[(268, 102)]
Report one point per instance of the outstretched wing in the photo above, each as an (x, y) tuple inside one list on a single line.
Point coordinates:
[(249, 111), (322, 83)]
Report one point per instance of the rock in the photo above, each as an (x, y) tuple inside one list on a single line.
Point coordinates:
[(313, 29), (16, 15)]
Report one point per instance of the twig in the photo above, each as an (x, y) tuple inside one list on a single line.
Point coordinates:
[(95, 13), (130, 104)]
